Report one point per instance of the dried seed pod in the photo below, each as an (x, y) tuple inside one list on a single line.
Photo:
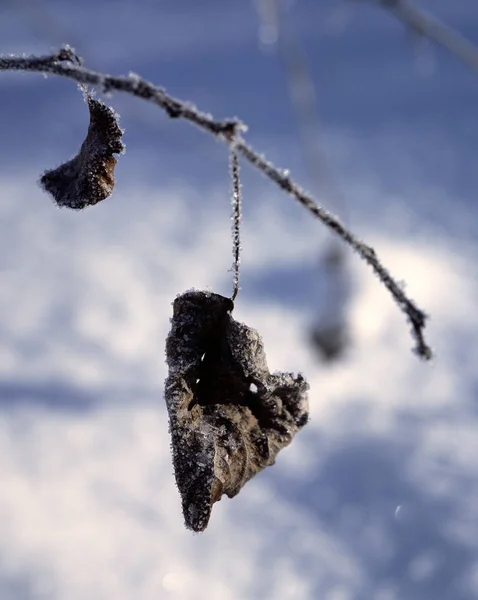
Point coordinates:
[(228, 415), (89, 177)]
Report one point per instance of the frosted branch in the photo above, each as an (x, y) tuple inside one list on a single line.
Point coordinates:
[(66, 64)]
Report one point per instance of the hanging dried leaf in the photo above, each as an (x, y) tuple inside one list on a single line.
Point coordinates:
[(229, 416), (89, 177)]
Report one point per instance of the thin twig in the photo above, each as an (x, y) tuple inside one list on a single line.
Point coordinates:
[(429, 27), (62, 65), (416, 316), (304, 100), (236, 219)]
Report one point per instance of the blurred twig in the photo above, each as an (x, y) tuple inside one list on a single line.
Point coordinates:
[(426, 25), (303, 97), (65, 64), (329, 334), (236, 202)]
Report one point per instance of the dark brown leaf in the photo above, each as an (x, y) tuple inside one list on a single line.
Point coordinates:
[(89, 177), (229, 416)]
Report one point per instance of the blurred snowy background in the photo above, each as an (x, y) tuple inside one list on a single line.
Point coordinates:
[(377, 498)]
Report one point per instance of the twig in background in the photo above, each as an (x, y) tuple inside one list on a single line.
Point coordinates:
[(416, 316), (303, 98), (427, 26), (62, 64), (329, 333)]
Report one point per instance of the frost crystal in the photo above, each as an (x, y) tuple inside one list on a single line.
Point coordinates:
[(89, 177), (228, 415)]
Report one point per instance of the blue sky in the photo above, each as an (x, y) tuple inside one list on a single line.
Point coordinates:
[(376, 498)]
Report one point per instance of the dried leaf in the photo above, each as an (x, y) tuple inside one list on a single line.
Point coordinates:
[(229, 416), (89, 177)]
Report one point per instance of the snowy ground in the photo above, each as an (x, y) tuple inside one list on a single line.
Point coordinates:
[(375, 500)]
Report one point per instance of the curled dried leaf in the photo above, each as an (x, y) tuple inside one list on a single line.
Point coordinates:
[(88, 178), (228, 415)]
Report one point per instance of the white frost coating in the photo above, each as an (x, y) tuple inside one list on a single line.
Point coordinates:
[(192, 511), (263, 528)]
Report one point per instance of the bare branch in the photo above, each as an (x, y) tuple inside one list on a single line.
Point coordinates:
[(429, 27), (65, 64)]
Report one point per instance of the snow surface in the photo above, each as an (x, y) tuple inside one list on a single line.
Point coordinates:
[(376, 499)]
